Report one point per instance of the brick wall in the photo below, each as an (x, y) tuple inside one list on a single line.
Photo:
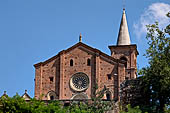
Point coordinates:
[(55, 73)]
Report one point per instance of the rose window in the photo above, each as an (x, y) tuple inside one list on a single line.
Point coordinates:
[(79, 81)]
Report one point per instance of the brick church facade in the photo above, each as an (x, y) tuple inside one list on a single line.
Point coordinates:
[(74, 73)]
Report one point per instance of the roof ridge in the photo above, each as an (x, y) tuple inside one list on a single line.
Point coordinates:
[(72, 47)]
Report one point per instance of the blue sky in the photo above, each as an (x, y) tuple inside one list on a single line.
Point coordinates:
[(32, 31)]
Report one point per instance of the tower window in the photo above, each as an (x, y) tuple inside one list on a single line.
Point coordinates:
[(71, 62), (51, 79), (88, 62), (124, 59), (109, 76)]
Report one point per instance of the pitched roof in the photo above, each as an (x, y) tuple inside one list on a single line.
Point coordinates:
[(96, 51), (26, 96), (123, 36)]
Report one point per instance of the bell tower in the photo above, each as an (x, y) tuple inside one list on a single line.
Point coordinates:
[(124, 50)]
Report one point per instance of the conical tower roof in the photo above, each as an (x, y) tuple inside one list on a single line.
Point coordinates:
[(123, 36)]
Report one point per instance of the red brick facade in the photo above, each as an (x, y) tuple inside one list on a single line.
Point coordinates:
[(53, 76)]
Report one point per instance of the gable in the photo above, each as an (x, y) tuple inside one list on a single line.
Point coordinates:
[(85, 48), (26, 97)]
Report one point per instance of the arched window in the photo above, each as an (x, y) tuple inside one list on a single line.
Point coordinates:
[(71, 62), (124, 59), (88, 62)]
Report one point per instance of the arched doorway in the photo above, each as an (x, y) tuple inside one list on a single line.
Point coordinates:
[(51, 95), (108, 95), (80, 96)]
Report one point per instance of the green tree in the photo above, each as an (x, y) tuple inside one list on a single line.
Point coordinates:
[(13, 105), (131, 109), (157, 74), (17, 104)]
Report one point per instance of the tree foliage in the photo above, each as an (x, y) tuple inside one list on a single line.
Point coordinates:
[(17, 104), (130, 109), (157, 74)]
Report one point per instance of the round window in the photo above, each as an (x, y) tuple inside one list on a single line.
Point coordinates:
[(79, 81)]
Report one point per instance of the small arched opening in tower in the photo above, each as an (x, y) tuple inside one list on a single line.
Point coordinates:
[(124, 59)]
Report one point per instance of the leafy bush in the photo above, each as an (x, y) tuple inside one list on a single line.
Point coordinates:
[(17, 104), (131, 110)]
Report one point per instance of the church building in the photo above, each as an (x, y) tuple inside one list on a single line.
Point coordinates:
[(75, 72)]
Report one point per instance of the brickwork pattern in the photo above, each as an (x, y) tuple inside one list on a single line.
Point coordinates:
[(55, 73)]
